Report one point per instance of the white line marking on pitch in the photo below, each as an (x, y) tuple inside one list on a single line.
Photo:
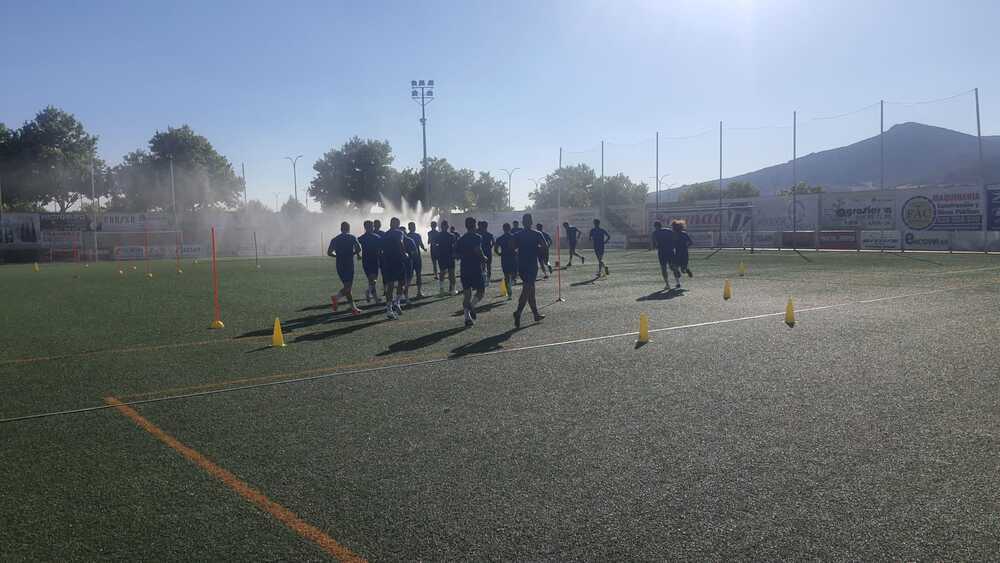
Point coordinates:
[(473, 356), (962, 271)]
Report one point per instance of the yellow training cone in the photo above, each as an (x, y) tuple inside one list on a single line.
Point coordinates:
[(35, 267), (727, 290), (121, 272), (217, 324), (643, 329), (503, 288), (742, 269), (277, 339), (790, 313), (149, 275)]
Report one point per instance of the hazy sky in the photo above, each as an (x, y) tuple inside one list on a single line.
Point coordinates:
[(516, 79)]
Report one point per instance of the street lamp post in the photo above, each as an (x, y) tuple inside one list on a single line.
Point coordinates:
[(509, 173), (295, 175), (173, 190), (422, 92)]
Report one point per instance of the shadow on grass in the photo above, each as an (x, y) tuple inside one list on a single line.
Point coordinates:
[(421, 341), (488, 344), (912, 257), (483, 308), (324, 334), (663, 294), (585, 282)]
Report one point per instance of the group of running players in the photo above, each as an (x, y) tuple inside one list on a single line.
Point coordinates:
[(523, 250)]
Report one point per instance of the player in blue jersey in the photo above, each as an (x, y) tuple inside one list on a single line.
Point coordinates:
[(417, 259), (431, 234), (663, 242), (600, 238), (410, 253), (393, 252), (543, 259), (469, 249), (572, 238), (377, 228), (488, 242), (444, 243), (344, 247), (679, 262), (530, 245), (370, 252), (504, 248)]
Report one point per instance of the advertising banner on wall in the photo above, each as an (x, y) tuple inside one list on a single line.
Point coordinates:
[(19, 228), (72, 221), (941, 209), (864, 210), (785, 214), (134, 222), (880, 240), (993, 207)]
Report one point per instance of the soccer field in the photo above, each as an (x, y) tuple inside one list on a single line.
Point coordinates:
[(866, 431)]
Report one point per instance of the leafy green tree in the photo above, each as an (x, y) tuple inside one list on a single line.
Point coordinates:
[(801, 189), (710, 191), (620, 190), (292, 208), (359, 172), (487, 193), (202, 178), (576, 184), (49, 160)]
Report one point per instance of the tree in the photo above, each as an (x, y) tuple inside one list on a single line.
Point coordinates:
[(359, 172), (49, 159), (710, 191), (620, 190), (487, 193), (576, 184), (801, 189), (293, 209), (202, 178)]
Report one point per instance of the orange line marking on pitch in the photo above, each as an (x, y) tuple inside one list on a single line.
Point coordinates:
[(252, 495), (259, 379)]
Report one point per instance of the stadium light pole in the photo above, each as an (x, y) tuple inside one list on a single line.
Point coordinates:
[(795, 179), (720, 184), (510, 174), (295, 175), (422, 92)]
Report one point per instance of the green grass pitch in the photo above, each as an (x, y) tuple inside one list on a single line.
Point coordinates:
[(867, 431)]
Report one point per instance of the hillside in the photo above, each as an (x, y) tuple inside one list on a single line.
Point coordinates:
[(915, 154)]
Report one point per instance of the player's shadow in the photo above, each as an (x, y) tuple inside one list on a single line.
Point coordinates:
[(482, 308), (292, 325), (663, 294), (585, 282), (324, 334), (488, 344), (421, 341)]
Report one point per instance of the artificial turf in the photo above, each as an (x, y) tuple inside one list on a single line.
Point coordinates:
[(864, 432)]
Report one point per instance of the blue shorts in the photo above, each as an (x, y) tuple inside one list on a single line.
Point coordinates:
[(446, 262), (473, 279), (509, 265), (345, 273), (599, 251), (418, 265), (370, 267), (679, 260), (528, 273)]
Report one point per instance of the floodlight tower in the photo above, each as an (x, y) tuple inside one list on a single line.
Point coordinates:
[(422, 92)]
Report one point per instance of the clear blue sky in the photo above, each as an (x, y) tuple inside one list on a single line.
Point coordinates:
[(516, 79)]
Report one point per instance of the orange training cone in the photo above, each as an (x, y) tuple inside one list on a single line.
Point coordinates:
[(790, 313), (727, 290)]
